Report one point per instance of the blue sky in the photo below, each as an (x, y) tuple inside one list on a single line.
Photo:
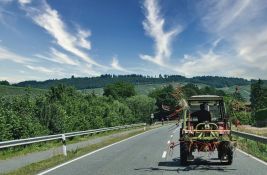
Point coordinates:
[(47, 39)]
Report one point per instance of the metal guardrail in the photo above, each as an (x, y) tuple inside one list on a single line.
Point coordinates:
[(20, 142), (253, 137)]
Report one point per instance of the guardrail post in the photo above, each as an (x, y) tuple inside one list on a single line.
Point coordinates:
[(64, 148)]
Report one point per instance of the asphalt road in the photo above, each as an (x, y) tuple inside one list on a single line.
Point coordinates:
[(145, 155)]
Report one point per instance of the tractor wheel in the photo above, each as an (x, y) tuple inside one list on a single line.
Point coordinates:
[(219, 149), (229, 154), (183, 154), (226, 154)]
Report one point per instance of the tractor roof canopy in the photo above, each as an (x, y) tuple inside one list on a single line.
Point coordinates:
[(213, 100), (207, 98)]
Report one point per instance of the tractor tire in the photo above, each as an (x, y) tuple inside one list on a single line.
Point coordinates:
[(183, 154), (229, 154), (226, 151)]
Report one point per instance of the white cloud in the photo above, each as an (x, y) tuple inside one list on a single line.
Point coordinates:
[(154, 27), (203, 64), (24, 1), (50, 20), (219, 15), (62, 58), (39, 69), (242, 26), (49, 71), (82, 42), (115, 65), (86, 70), (6, 54)]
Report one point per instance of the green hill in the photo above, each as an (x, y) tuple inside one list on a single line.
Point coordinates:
[(146, 88), (13, 91), (244, 90)]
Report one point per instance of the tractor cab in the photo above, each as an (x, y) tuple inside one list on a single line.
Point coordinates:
[(213, 106)]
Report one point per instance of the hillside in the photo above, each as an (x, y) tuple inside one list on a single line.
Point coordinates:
[(103, 80), (13, 91), (146, 88)]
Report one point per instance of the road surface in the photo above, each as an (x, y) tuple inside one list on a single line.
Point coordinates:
[(147, 154)]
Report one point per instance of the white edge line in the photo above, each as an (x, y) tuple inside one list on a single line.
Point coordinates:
[(88, 154), (255, 158), (164, 154)]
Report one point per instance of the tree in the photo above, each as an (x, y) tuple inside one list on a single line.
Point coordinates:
[(257, 96), (163, 96), (4, 82), (190, 90), (142, 107), (119, 90)]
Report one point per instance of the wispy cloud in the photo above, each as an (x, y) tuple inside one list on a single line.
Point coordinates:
[(24, 1), (219, 15), (203, 64), (242, 26), (49, 71), (62, 58), (115, 65), (154, 27), (50, 20), (6, 54)]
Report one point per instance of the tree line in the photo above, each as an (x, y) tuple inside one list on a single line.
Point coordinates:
[(103, 80), (64, 109)]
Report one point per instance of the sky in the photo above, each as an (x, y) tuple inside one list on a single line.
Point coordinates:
[(53, 39)]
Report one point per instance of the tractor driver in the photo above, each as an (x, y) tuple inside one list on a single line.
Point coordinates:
[(202, 115)]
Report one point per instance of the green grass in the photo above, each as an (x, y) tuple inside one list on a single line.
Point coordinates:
[(252, 130), (13, 91), (256, 149), (23, 150), (43, 165)]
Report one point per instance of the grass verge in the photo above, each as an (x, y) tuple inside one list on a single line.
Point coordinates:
[(254, 148), (252, 130), (56, 160), (43, 146)]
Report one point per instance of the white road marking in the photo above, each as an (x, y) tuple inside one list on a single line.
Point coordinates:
[(255, 158), (171, 136), (164, 154), (168, 142), (78, 158), (175, 130)]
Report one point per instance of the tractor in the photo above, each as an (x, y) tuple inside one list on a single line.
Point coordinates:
[(206, 134)]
